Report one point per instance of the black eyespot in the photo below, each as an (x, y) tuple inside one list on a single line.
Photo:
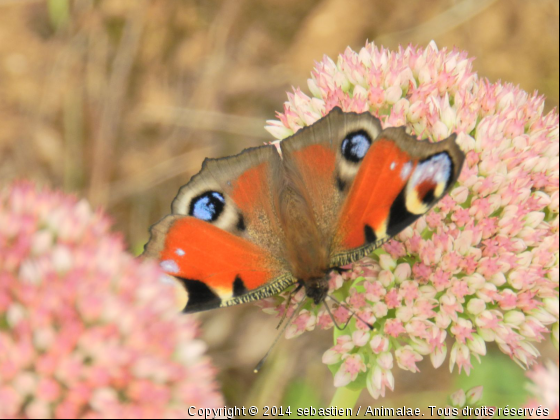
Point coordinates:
[(430, 197), (239, 288), (355, 146), (371, 237), (340, 184), (241, 223), (207, 206), (201, 297)]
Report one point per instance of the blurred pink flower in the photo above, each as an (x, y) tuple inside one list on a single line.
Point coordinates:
[(86, 330), (483, 265), (352, 365), (466, 405), (544, 388)]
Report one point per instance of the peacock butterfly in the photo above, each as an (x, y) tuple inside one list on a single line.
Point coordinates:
[(248, 226)]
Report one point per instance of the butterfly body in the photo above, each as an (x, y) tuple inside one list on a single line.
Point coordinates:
[(249, 226)]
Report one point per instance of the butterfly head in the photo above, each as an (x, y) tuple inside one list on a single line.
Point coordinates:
[(317, 289)]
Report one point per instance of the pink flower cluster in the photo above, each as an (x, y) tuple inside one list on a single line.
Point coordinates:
[(544, 389), (483, 265), (86, 330)]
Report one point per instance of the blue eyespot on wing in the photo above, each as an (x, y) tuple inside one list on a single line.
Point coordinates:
[(355, 146), (207, 206)]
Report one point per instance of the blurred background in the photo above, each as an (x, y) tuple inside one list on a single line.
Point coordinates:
[(119, 101)]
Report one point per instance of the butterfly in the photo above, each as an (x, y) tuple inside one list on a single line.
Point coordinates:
[(248, 226)]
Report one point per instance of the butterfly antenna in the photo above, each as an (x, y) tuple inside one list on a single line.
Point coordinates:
[(351, 311), (287, 306), (280, 334), (338, 327)]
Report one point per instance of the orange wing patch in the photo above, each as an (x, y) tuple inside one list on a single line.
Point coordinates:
[(381, 177), (253, 194), (198, 250), (216, 266), (250, 187), (315, 163)]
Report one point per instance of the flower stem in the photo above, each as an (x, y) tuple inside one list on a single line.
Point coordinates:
[(344, 398)]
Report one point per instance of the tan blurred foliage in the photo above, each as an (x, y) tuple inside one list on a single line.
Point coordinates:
[(120, 100)]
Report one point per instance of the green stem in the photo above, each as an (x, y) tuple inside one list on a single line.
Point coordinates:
[(345, 398)]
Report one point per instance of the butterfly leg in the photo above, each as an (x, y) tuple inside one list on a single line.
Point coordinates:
[(338, 327), (287, 306), (260, 364), (352, 313)]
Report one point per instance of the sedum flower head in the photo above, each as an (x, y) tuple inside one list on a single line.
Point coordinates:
[(482, 266), (544, 389), (86, 330)]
